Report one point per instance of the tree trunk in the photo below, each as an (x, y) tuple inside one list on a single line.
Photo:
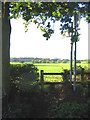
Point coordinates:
[(74, 85), (71, 62), (71, 59), (5, 55)]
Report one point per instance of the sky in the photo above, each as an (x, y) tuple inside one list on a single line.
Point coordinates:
[(33, 44)]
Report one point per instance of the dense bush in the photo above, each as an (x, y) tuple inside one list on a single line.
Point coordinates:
[(23, 76), (80, 68), (71, 110)]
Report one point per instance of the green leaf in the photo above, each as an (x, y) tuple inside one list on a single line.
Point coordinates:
[(54, 10), (12, 16), (35, 21)]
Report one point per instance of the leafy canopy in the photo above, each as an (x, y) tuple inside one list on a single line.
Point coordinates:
[(40, 12)]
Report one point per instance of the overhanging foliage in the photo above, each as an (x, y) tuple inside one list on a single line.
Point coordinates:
[(40, 12)]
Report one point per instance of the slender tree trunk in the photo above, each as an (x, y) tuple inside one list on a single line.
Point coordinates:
[(71, 60), (5, 55), (74, 86)]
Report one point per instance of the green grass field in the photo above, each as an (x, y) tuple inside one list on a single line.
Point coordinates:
[(49, 67), (54, 68)]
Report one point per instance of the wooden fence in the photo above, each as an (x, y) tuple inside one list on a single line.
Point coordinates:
[(65, 75)]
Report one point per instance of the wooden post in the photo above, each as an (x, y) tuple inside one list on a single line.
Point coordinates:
[(38, 76), (82, 74), (42, 80)]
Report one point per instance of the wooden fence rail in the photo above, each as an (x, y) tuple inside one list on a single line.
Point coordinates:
[(64, 74), (52, 73), (42, 74), (52, 83)]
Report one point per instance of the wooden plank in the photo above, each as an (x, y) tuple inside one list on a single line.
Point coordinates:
[(63, 83), (53, 82), (46, 83), (52, 73), (83, 83), (42, 80)]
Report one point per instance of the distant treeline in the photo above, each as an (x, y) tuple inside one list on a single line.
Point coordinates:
[(44, 60)]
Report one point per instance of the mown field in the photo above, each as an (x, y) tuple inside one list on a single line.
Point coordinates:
[(54, 68)]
